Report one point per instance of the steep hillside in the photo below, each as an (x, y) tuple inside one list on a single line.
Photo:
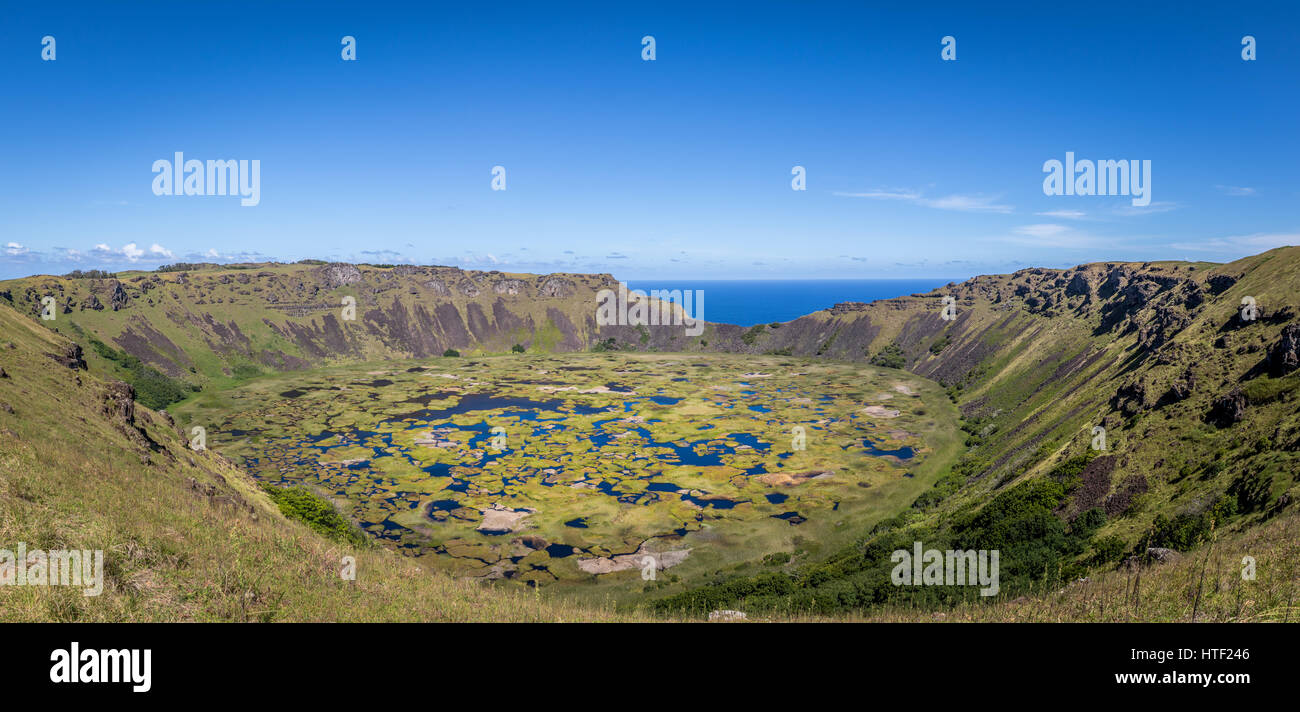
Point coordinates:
[(1111, 409), (185, 535), (210, 322)]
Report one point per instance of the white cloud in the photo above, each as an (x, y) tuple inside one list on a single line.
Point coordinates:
[(1053, 235), (1154, 207), (1250, 244), (14, 248), (1236, 190), (1067, 214), (963, 203), (160, 251), (1041, 230)]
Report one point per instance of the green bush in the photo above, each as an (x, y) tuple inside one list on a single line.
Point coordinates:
[(153, 389), (246, 370), (1183, 532), (940, 344), (451, 353), (1107, 549), (1252, 491), (890, 356), (316, 512), (518, 348)]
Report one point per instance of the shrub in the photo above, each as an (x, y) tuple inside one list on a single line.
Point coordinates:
[(890, 356), (316, 512), (153, 389), (451, 353), (518, 348), (1252, 491), (1107, 548), (1181, 533)]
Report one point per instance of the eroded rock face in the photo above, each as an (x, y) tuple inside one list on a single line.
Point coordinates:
[(117, 298), (1168, 321), (1284, 357), (1220, 283), (72, 357), (510, 287), (557, 287), (119, 403), (1079, 285), (438, 287), (338, 274), (92, 302)]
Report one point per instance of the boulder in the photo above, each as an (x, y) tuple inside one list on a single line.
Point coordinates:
[(726, 616), (1162, 555), (1228, 408)]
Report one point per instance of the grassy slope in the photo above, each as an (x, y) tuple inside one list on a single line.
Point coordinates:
[(71, 478)]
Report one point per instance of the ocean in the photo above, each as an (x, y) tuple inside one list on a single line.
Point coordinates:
[(749, 302)]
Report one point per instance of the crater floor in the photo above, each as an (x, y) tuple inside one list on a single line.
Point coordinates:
[(570, 468)]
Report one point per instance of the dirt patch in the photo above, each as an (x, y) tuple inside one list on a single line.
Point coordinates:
[(879, 411), (791, 479)]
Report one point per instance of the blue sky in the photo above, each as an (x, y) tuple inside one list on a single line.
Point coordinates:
[(678, 168)]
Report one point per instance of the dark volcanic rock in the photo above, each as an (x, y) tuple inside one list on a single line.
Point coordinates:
[(1079, 285), (117, 298), (1167, 322), (92, 302), (1284, 356), (1228, 409), (1119, 502), (119, 403), (1220, 283), (1181, 388), (1131, 398), (72, 357)]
